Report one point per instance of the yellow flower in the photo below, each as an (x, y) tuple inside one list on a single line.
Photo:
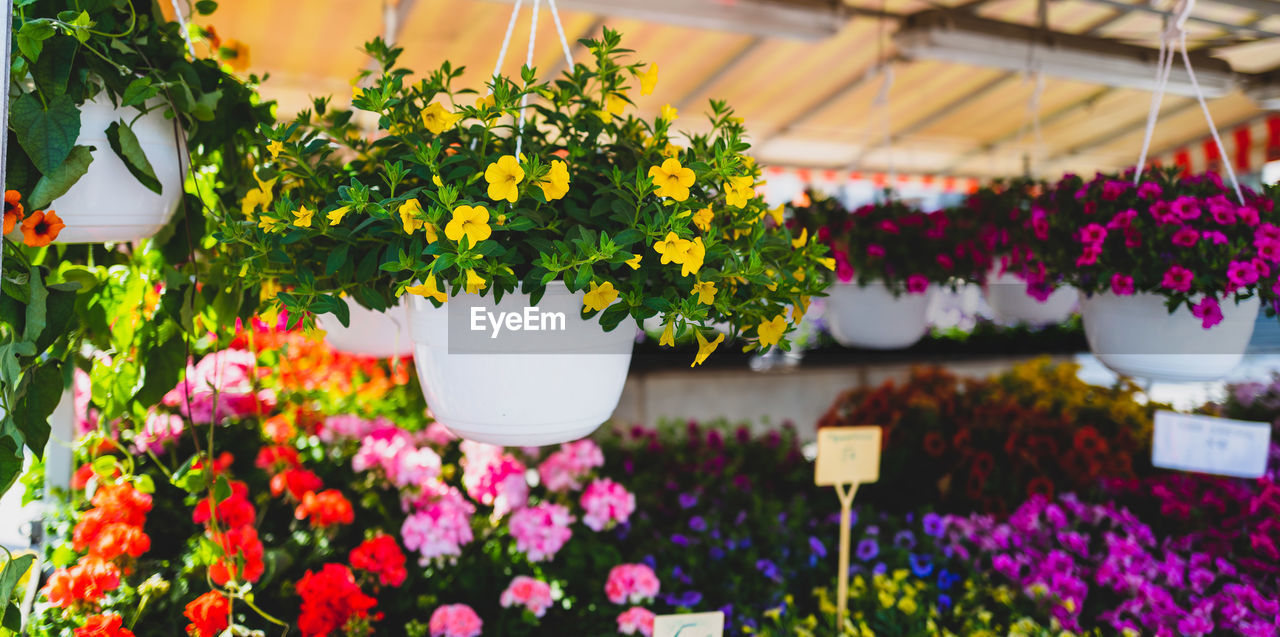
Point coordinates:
[(776, 213), (886, 600), (556, 183), (268, 223), (694, 253), (668, 335), (470, 222), (671, 150), (431, 232), (706, 292), (705, 347), (799, 310), (504, 176), (908, 605), (275, 148), (487, 102), (409, 216), (435, 179), (799, 242), (475, 282), (259, 198), (428, 290), (738, 191), (828, 263), (702, 219), (600, 296), (673, 249), (634, 262), (356, 93), (672, 179), (770, 332), (669, 113), (302, 217), (616, 103), (336, 215), (437, 119), (648, 80)]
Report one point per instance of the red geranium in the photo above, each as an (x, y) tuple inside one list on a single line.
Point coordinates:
[(380, 556), (243, 559), (86, 582), (277, 458), (330, 600), (296, 481), (325, 509), (103, 626), (210, 614), (233, 512)]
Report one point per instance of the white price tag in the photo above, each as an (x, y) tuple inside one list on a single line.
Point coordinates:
[(1190, 442), (689, 625)]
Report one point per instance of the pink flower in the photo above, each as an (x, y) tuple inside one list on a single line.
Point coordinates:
[(437, 434), (1247, 215), (1177, 278), (1089, 255), (1123, 219), (917, 284), (1208, 311), (636, 619), (528, 592), (888, 227), (1187, 208), (1223, 213), (540, 531), (844, 271), (1132, 238), (631, 583), (416, 467), (493, 478), (1121, 284), (455, 620), (1214, 237), (1185, 237), (1112, 190), (159, 430), (1240, 274), (1149, 190), (605, 503), (439, 529), (1268, 249), (381, 450), (875, 251), (1093, 234), (1040, 223), (348, 427), (564, 469), (945, 261)]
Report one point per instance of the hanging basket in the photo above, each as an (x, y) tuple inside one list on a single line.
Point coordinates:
[(1136, 336), (1007, 295), (871, 317), (370, 332), (107, 204), (536, 387)]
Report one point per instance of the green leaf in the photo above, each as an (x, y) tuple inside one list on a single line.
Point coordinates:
[(56, 183), (125, 144), (36, 308), (164, 364), (44, 390), (31, 37), (13, 571), (143, 483), (47, 134), (53, 69), (335, 260), (221, 489), (10, 462), (205, 7), (139, 91), (12, 620)]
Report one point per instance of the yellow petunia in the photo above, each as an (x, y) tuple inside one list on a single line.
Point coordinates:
[(428, 290), (705, 291), (702, 219), (556, 184), (771, 331), (695, 252), (409, 218), (475, 282), (471, 222), (668, 338), (275, 148), (302, 217), (672, 248), (258, 199), (799, 242), (504, 177), (437, 119), (669, 113), (671, 179), (634, 262), (600, 296), (336, 215), (705, 347), (739, 190), (648, 80)]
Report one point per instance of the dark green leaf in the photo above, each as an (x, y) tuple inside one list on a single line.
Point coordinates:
[(125, 144), (138, 92), (205, 7), (221, 489), (36, 307), (335, 260), (164, 364), (12, 619), (10, 460), (44, 390), (13, 571), (56, 183), (30, 38), (53, 69), (46, 134)]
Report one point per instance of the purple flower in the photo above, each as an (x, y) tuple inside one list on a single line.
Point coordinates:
[(697, 523), (867, 549), (688, 599), (768, 569), (904, 539), (933, 525), (679, 540), (688, 500), (1194, 625), (921, 565), (817, 547)]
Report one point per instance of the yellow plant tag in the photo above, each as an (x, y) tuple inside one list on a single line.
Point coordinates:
[(689, 625), (847, 455)]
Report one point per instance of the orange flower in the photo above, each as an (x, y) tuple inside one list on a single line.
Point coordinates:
[(40, 229), (327, 508), (209, 614), (88, 581), (12, 210)]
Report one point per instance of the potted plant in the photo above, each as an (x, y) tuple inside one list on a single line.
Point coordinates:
[(888, 257), (586, 214), (105, 101), (1171, 270), (1005, 218)]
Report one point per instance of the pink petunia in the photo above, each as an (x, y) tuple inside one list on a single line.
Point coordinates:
[(541, 530), (1208, 311), (1241, 274), (1178, 279), (875, 251), (917, 284), (606, 502), (1121, 284), (1185, 237), (441, 528), (631, 583), (1093, 234), (565, 468), (636, 619)]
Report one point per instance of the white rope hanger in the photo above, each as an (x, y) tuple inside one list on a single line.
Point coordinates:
[(528, 60)]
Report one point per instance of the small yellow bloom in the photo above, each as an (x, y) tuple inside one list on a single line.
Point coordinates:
[(705, 347), (270, 288), (908, 605), (437, 119), (268, 223), (705, 291), (799, 242), (504, 177), (475, 282), (556, 184), (669, 113), (668, 335), (671, 150), (435, 179), (302, 217), (672, 248), (470, 222), (694, 254), (430, 230), (634, 262), (799, 310), (275, 148), (336, 215), (616, 103), (487, 103), (258, 199), (828, 263), (739, 190), (409, 211), (702, 219), (671, 179), (771, 331), (776, 213), (356, 93), (648, 80), (600, 296), (428, 290)]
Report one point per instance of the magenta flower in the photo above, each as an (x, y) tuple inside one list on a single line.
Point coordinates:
[(1121, 284), (917, 284), (1093, 234), (888, 227), (1178, 279), (875, 250), (1247, 215), (1240, 274), (1208, 311), (1187, 208), (1214, 237), (1112, 190), (1268, 249), (945, 261), (1040, 223), (1123, 219), (1185, 237), (1089, 255), (1149, 190)]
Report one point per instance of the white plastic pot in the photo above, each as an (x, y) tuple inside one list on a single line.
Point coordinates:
[(871, 317), (1007, 295), (1136, 336), (524, 388), (369, 332), (107, 203)]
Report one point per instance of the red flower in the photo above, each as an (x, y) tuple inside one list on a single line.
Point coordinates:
[(296, 481), (80, 479), (934, 444), (331, 599), (277, 458), (233, 512), (1040, 485), (87, 581), (210, 614), (380, 556), (325, 509), (242, 561), (983, 463), (125, 503), (117, 539), (103, 626)]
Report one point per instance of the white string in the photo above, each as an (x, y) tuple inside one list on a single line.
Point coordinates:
[(506, 40), (564, 44), (1163, 68), (186, 31), (1222, 152)]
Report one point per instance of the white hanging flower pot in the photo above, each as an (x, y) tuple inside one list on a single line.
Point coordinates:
[(108, 203), (1007, 295), (1136, 336), (542, 375), (370, 332), (872, 317)]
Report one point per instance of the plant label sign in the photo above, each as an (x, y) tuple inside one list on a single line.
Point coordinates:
[(689, 625), (1205, 444), (847, 455)]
